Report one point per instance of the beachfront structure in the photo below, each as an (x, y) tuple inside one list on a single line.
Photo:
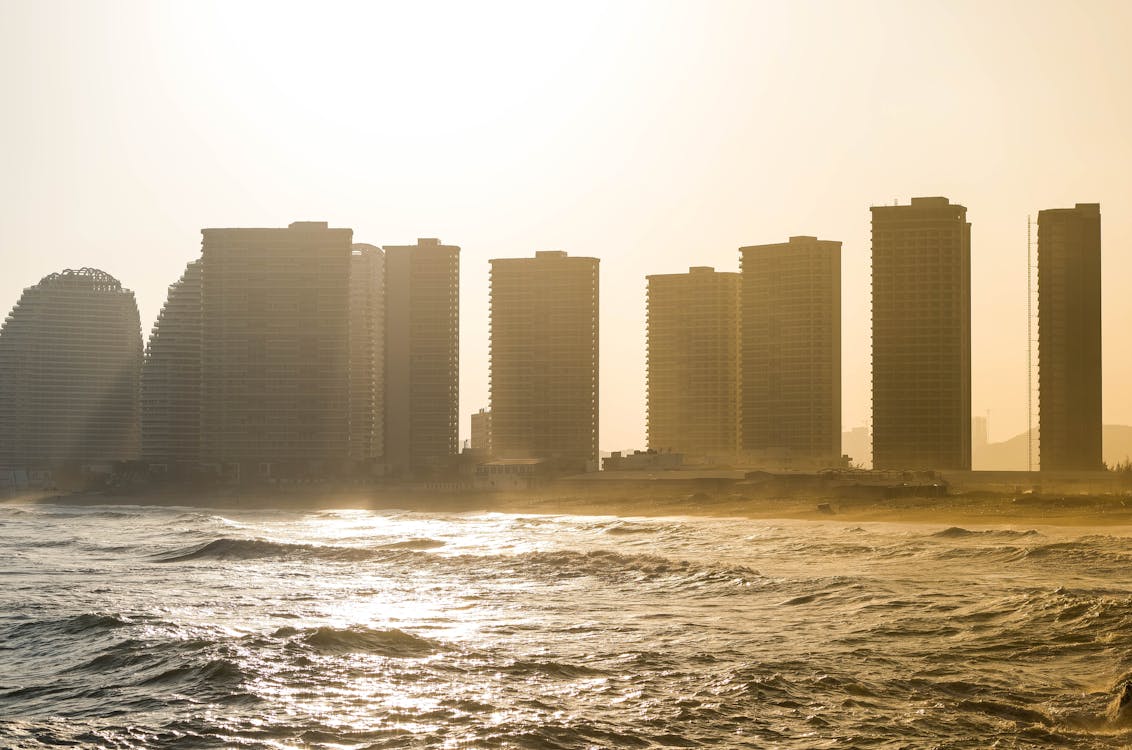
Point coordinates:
[(422, 356), (70, 362), (170, 378), (481, 431), (544, 359), (921, 356), (693, 363), (1069, 338), (275, 350), (367, 354), (791, 353)]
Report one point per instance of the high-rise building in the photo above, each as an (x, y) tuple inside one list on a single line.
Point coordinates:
[(367, 353), (1069, 337), (921, 362), (791, 353), (170, 379), (70, 362), (481, 431), (693, 363), (544, 359), (275, 349), (422, 355)]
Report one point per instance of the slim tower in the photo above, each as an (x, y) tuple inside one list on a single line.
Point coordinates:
[(921, 278), (544, 359), (367, 353), (791, 356), (1069, 338), (422, 355), (693, 362)]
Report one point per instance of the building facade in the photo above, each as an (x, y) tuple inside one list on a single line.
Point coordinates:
[(70, 364), (367, 354), (422, 355), (693, 363), (275, 350), (1069, 338), (791, 353), (481, 431), (921, 358), (171, 378), (544, 359)]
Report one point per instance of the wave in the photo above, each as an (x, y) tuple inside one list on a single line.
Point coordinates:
[(413, 544), (357, 639), (227, 548), (958, 532)]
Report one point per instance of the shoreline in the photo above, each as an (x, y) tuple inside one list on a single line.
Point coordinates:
[(971, 508)]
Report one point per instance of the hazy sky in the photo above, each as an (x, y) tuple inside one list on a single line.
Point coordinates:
[(654, 135)]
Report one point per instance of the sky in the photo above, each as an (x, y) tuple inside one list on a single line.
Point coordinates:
[(653, 135)]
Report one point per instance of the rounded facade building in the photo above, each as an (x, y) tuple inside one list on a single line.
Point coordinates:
[(70, 363)]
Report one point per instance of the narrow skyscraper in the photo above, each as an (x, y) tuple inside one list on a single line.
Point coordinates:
[(170, 382), (275, 350), (70, 363), (544, 359), (693, 363), (367, 354), (921, 362), (422, 355), (1069, 338), (791, 353)]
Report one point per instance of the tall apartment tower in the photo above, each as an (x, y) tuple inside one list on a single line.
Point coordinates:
[(1069, 337), (275, 349), (422, 355), (693, 362), (170, 379), (367, 353), (481, 431), (791, 352), (544, 359), (70, 362), (921, 270)]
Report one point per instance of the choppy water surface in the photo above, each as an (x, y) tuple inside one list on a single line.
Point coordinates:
[(176, 627)]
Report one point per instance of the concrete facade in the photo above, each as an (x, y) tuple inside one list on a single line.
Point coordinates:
[(367, 354), (921, 358), (791, 353), (1069, 338), (275, 350), (422, 355), (544, 359), (693, 363)]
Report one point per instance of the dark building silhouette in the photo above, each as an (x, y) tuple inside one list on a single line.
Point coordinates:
[(70, 362), (481, 431), (921, 360), (367, 353), (1069, 337), (171, 378), (422, 355), (791, 353), (544, 359), (693, 363), (275, 350)]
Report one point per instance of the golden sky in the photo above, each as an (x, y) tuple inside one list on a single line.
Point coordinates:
[(654, 135)]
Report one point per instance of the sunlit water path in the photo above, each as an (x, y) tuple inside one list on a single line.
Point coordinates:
[(177, 627)]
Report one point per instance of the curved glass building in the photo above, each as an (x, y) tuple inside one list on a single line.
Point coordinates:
[(70, 363)]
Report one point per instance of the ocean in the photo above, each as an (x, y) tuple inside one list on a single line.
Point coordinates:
[(158, 627)]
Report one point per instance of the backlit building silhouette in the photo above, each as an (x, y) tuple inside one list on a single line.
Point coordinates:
[(921, 359), (171, 378), (544, 359), (422, 355), (791, 353), (367, 353), (70, 361), (275, 349), (693, 363), (1069, 337)]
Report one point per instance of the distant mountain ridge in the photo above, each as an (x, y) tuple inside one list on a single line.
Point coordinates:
[(1010, 455)]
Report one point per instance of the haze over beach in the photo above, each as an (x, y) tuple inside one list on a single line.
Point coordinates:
[(655, 136), (565, 375)]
